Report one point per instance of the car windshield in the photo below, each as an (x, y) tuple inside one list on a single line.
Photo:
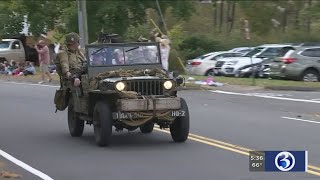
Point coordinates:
[(4, 44), (254, 52), (128, 55)]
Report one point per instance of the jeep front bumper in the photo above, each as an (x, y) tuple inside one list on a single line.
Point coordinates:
[(152, 104), (155, 107)]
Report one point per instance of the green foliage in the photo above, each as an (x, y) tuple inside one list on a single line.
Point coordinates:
[(134, 32), (195, 45), (176, 35), (108, 15), (43, 16), (259, 15), (174, 64), (11, 17)]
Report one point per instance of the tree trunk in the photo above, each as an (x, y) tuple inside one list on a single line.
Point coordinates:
[(221, 15), (296, 20), (309, 20), (228, 16), (284, 21), (215, 17), (232, 15)]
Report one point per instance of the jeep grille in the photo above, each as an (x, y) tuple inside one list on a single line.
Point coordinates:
[(146, 87)]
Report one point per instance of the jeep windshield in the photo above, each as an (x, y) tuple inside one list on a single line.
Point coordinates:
[(4, 44), (123, 55)]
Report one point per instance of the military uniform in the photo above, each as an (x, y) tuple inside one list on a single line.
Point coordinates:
[(71, 61)]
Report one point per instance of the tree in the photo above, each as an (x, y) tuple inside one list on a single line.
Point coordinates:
[(259, 14), (44, 15), (11, 17)]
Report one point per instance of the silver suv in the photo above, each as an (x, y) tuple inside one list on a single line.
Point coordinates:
[(300, 64)]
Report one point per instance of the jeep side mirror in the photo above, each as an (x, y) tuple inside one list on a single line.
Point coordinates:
[(180, 80)]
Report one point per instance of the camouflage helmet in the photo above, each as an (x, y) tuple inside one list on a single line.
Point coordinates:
[(72, 38)]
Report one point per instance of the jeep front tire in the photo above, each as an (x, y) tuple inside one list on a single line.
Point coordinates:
[(179, 129), (102, 123)]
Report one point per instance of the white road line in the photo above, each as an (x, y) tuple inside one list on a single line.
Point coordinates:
[(25, 166), (30, 84), (303, 120), (315, 99), (264, 96)]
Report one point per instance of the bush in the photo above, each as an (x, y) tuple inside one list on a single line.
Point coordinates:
[(197, 45), (134, 32), (174, 64)]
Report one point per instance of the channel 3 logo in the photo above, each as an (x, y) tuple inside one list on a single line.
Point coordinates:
[(285, 161)]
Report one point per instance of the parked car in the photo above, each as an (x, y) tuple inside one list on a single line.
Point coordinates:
[(204, 65), (302, 64), (304, 44), (243, 50), (231, 66)]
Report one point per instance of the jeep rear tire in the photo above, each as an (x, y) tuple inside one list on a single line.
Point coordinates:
[(102, 123), (75, 124), (147, 127), (179, 129)]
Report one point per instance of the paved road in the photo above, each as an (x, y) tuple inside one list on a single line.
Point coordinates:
[(31, 132)]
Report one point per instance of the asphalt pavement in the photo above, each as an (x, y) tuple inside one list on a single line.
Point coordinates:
[(31, 132)]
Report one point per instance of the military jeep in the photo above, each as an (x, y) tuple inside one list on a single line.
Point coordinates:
[(125, 87)]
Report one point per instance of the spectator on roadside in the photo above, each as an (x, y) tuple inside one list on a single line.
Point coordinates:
[(2, 69), (18, 71), (29, 69), (7, 66), (44, 60), (13, 66)]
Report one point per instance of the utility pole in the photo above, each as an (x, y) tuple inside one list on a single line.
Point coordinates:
[(82, 22)]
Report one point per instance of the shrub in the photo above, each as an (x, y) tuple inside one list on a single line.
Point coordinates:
[(197, 45)]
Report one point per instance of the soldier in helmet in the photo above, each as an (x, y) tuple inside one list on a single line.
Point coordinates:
[(72, 59)]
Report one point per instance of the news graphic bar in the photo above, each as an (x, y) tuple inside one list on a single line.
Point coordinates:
[(278, 161)]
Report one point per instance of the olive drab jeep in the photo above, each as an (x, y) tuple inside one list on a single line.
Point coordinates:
[(125, 87)]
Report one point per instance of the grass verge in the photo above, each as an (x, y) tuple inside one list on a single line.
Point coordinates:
[(258, 82)]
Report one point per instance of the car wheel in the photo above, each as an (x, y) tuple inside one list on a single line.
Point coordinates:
[(310, 76), (102, 123), (147, 127), (210, 72), (179, 129), (76, 126), (237, 74)]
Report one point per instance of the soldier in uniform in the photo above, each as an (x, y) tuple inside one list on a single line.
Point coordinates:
[(72, 59)]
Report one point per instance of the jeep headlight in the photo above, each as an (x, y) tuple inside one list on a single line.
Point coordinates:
[(167, 85), (120, 86)]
